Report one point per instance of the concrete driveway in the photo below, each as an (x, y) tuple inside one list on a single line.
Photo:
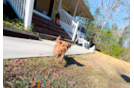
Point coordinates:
[(23, 48)]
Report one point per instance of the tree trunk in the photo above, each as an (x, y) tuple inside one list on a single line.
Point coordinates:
[(127, 44), (117, 13), (102, 17), (107, 17)]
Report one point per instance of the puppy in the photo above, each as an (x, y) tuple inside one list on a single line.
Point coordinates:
[(60, 48)]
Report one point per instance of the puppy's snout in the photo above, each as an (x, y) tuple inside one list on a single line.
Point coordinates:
[(65, 49)]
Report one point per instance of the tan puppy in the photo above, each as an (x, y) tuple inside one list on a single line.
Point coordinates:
[(60, 48)]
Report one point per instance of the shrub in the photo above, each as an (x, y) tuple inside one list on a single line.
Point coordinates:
[(17, 24)]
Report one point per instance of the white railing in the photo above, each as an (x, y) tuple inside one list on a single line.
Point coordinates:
[(69, 23), (19, 7), (64, 17), (23, 9)]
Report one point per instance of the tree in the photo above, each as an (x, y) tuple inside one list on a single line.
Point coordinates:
[(128, 44), (113, 7), (102, 18), (87, 3), (111, 39)]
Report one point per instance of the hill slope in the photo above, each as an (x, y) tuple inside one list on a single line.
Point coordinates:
[(96, 70)]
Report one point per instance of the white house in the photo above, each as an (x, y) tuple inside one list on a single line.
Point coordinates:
[(68, 10)]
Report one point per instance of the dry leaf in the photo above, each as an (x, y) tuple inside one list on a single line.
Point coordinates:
[(34, 67), (30, 64), (55, 75), (25, 59), (89, 80), (38, 86), (34, 83), (97, 72), (49, 85), (17, 62), (45, 70), (48, 74), (81, 82), (5, 65)]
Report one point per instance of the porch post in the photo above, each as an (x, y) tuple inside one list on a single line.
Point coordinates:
[(88, 24), (84, 17), (87, 27), (75, 9), (75, 31), (59, 5), (28, 13)]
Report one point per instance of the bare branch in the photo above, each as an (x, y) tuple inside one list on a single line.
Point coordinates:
[(108, 17)]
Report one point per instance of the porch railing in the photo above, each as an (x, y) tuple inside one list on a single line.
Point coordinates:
[(67, 22), (19, 7), (70, 24), (24, 10)]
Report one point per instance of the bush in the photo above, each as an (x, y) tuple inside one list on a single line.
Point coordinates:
[(118, 52), (115, 51), (17, 24)]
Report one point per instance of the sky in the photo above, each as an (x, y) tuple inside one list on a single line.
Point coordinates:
[(121, 15), (121, 24)]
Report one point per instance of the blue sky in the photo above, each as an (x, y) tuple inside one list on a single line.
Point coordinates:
[(121, 15), (121, 25)]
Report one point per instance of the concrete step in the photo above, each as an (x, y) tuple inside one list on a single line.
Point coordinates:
[(51, 37), (43, 25), (40, 24), (47, 31)]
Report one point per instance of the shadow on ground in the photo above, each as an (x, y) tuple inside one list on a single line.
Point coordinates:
[(70, 61), (126, 78)]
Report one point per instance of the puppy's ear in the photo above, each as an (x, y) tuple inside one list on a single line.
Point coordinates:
[(69, 45)]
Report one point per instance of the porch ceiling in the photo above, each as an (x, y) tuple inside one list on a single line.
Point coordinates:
[(81, 9)]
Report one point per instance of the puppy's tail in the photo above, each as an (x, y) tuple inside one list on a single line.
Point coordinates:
[(58, 38)]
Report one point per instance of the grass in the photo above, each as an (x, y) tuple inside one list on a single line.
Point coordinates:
[(78, 71)]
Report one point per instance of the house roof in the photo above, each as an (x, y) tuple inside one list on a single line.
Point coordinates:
[(81, 9)]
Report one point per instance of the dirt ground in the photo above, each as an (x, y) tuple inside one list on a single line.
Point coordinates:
[(95, 70)]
